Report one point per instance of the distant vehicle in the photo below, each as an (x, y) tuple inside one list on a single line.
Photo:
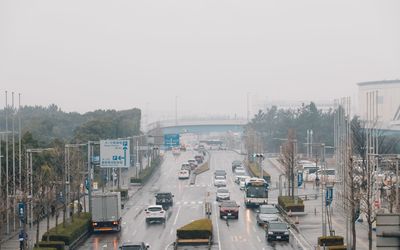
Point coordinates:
[(277, 230), (186, 166), (183, 174), (192, 163), (222, 147), (327, 175), (183, 148), (199, 159), (134, 246), (230, 209), (240, 171), (176, 151), (219, 181), (238, 178), (236, 164), (266, 214), (220, 172), (165, 199), (256, 192), (222, 194), (106, 212), (155, 213)]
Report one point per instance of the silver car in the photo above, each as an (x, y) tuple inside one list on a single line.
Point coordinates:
[(266, 214)]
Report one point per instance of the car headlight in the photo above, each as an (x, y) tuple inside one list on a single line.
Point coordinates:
[(286, 233), (270, 233)]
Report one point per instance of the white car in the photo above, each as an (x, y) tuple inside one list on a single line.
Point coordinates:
[(219, 181), (186, 166), (183, 174), (155, 213), (222, 194)]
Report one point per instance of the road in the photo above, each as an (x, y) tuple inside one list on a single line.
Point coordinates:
[(188, 205)]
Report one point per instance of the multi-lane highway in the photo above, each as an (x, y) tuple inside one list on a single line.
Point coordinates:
[(188, 205)]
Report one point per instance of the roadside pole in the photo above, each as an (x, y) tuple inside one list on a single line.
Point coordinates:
[(89, 177)]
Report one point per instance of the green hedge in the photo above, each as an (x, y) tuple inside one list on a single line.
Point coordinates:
[(330, 241), (146, 173), (58, 245), (44, 248), (198, 229), (254, 170), (342, 247), (288, 204), (72, 231)]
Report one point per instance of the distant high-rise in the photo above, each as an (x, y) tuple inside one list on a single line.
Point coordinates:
[(385, 97)]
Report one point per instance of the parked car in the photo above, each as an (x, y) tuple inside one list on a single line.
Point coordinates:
[(230, 209), (192, 163), (222, 194), (183, 174), (277, 230), (219, 181), (165, 199), (155, 213), (266, 214), (134, 246)]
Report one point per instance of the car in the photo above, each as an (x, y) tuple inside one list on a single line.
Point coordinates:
[(266, 214), (242, 183), (240, 171), (219, 181), (199, 159), (229, 209), (222, 194), (236, 164), (238, 178), (192, 163), (183, 174), (186, 166), (134, 246), (220, 172), (165, 199), (155, 213), (277, 230)]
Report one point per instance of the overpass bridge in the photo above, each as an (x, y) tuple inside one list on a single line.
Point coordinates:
[(198, 126)]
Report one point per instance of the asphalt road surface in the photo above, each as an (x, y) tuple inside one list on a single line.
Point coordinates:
[(188, 206)]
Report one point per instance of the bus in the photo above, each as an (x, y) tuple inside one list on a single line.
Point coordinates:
[(255, 192)]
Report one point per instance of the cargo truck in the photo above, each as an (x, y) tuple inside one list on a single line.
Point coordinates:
[(106, 212)]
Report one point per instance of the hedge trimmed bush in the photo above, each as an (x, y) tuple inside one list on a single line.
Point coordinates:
[(146, 173), (72, 231), (203, 168), (330, 241), (254, 170), (57, 245), (44, 248), (288, 204), (343, 247), (198, 229)]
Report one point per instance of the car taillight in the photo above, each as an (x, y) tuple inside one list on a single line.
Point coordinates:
[(115, 222), (94, 224)]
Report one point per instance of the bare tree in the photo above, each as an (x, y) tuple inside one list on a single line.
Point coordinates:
[(288, 159)]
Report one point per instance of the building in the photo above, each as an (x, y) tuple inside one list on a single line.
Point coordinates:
[(380, 100)]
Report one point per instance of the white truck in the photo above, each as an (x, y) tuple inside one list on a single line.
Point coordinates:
[(106, 212)]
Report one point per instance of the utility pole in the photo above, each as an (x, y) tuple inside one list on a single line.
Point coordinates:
[(19, 142), (13, 161), (7, 193)]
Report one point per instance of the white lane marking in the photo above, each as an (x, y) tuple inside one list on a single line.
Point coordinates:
[(177, 214), (219, 237), (193, 202), (134, 232), (185, 203), (258, 238), (172, 231)]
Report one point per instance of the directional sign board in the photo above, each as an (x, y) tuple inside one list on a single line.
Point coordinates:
[(171, 140), (114, 154)]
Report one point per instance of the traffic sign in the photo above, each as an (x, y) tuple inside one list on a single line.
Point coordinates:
[(171, 140), (329, 195), (114, 154)]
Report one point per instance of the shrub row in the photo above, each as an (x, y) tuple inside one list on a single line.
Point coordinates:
[(56, 245), (198, 229), (342, 247), (254, 170), (288, 204), (336, 241), (203, 168), (72, 231), (146, 173)]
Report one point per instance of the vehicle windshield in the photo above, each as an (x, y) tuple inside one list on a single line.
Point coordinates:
[(154, 209), (163, 196), (219, 177), (279, 226), (222, 190), (256, 192), (136, 247), (268, 210)]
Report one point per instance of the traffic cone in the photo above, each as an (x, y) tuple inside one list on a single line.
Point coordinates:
[(297, 220)]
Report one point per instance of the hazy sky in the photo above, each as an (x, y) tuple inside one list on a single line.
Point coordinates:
[(84, 55)]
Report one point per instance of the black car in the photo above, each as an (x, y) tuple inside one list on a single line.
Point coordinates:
[(134, 246), (165, 199), (277, 230)]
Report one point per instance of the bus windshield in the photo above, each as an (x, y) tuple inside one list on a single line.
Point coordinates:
[(256, 192)]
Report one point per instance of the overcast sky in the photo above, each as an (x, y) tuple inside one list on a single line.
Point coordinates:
[(84, 55)]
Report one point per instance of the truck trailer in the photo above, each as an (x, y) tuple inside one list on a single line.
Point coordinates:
[(106, 212)]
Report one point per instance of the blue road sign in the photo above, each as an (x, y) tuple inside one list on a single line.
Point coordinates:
[(329, 195), (21, 210), (299, 179), (171, 140)]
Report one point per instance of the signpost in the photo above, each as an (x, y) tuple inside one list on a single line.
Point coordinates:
[(114, 154), (171, 140)]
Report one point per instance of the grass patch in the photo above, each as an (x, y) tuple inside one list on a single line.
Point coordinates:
[(288, 204), (198, 229), (44, 248), (72, 231)]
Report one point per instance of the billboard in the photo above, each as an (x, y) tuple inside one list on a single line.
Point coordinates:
[(114, 154)]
